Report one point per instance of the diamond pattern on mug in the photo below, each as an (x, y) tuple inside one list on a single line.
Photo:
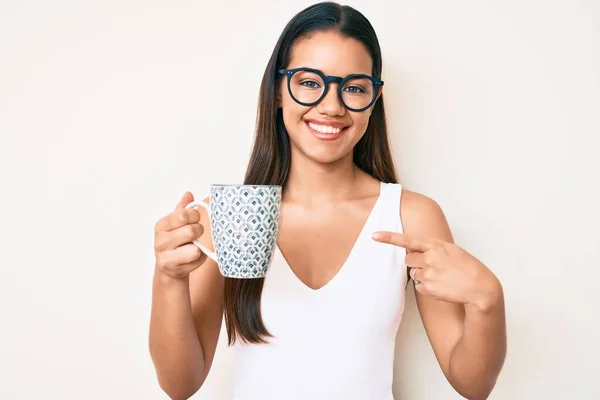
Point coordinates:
[(245, 223)]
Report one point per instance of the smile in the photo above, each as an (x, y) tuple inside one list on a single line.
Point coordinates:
[(325, 128)]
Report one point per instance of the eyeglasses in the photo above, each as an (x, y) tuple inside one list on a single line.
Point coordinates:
[(308, 87)]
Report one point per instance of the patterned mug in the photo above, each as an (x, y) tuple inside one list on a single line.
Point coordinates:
[(244, 220)]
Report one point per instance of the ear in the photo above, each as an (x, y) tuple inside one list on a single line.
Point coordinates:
[(378, 96), (278, 94)]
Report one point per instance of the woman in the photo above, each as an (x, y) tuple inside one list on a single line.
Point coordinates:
[(322, 324)]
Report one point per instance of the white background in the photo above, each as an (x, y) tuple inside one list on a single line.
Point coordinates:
[(110, 110)]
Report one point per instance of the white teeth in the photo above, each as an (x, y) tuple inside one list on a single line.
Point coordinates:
[(324, 128)]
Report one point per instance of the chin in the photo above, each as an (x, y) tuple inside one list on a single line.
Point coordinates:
[(325, 157), (320, 148)]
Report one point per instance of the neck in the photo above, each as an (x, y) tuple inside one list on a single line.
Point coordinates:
[(312, 182)]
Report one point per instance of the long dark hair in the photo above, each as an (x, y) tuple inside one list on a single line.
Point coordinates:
[(270, 158)]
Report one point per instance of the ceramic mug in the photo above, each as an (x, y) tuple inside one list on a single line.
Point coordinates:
[(244, 220)]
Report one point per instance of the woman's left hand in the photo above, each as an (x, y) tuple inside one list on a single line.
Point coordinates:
[(446, 271)]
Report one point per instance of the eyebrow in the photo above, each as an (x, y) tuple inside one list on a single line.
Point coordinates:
[(327, 74)]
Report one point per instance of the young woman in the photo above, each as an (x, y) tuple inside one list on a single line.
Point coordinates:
[(322, 323)]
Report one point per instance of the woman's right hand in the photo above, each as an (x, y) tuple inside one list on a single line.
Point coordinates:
[(175, 254)]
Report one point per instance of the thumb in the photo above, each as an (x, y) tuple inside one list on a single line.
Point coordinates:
[(185, 200)]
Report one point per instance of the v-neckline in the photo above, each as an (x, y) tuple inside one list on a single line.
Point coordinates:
[(348, 258)]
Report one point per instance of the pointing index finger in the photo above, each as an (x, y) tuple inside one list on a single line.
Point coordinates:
[(402, 240)]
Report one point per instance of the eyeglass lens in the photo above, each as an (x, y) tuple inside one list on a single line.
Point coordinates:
[(308, 87)]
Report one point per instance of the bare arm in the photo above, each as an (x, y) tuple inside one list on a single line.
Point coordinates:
[(460, 301), (187, 306), (469, 340)]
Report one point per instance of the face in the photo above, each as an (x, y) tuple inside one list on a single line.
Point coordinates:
[(325, 132)]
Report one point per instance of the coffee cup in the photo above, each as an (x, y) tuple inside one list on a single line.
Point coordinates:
[(244, 221)]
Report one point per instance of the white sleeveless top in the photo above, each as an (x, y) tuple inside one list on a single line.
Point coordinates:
[(337, 342)]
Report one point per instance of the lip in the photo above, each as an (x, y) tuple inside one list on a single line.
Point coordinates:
[(333, 124), (327, 136)]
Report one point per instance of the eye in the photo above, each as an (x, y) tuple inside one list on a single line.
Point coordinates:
[(310, 84), (354, 89)]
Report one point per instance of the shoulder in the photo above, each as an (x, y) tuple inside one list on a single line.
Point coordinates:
[(423, 216)]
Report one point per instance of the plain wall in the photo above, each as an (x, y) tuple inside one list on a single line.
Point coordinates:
[(110, 110)]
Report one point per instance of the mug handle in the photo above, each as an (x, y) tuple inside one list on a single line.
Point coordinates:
[(202, 247)]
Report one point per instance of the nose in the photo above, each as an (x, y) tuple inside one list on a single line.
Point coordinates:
[(331, 105)]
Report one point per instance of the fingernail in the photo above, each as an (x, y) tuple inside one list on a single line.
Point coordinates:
[(376, 235)]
